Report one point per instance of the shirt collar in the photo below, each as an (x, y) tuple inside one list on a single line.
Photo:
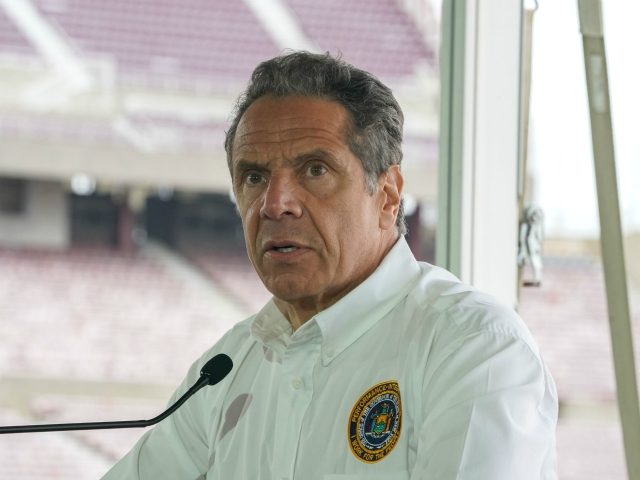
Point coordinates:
[(271, 327), (349, 318)]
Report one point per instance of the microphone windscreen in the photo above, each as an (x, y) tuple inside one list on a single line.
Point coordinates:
[(217, 368)]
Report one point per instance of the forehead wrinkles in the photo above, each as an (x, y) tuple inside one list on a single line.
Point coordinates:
[(264, 140), (273, 119), (291, 135)]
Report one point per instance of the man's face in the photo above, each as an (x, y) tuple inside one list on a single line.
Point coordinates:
[(313, 231)]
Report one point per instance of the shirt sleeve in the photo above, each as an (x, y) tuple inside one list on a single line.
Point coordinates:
[(176, 448), (490, 412)]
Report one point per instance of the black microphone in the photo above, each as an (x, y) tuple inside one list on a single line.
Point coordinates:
[(212, 372)]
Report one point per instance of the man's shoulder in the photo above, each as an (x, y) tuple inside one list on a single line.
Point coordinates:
[(238, 334), (231, 341), (441, 304)]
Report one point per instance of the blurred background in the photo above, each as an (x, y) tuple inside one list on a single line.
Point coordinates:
[(121, 253)]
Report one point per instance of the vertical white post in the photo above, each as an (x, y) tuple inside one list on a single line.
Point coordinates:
[(611, 230)]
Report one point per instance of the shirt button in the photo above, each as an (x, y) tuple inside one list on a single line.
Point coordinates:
[(329, 351), (296, 383)]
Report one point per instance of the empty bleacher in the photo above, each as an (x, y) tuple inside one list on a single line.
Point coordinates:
[(568, 317), (233, 272), (51, 456), (156, 41), (110, 444), (590, 450), (214, 44), (86, 314), (377, 36), (11, 40)]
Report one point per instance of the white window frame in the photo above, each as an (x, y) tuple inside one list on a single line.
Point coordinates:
[(477, 234)]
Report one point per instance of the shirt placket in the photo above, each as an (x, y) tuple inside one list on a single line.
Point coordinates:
[(294, 397)]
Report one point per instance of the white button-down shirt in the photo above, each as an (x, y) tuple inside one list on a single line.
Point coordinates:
[(412, 375)]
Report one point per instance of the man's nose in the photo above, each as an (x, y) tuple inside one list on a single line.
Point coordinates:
[(281, 198)]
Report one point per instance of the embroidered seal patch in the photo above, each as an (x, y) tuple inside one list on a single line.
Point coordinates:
[(375, 422)]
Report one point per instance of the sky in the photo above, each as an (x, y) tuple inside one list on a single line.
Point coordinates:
[(560, 152)]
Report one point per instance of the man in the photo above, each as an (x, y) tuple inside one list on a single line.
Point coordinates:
[(366, 364)]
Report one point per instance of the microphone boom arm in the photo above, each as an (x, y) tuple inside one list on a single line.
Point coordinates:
[(212, 372)]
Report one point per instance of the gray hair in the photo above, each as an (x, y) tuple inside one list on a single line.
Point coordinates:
[(375, 133)]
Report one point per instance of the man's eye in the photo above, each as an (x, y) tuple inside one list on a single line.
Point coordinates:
[(317, 170), (253, 178)]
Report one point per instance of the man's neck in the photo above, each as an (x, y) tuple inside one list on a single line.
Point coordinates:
[(293, 312), (299, 311)]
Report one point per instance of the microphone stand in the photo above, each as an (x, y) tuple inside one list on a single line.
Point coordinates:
[(212, 372)]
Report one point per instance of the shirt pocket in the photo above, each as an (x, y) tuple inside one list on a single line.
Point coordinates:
[(400, 475)]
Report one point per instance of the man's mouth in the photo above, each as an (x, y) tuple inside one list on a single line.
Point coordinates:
[(285, 249)]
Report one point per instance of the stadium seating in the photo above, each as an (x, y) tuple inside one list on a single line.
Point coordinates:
[(85, 314), (216, 40), (11, 39), (51, 456), (232, 272), (377, 36), (110, 444), (220, 42), (568, 318)]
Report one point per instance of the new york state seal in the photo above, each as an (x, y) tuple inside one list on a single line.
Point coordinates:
[(375, 422)]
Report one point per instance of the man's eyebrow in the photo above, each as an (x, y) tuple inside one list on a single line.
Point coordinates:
[(317, 154), (247, 165)]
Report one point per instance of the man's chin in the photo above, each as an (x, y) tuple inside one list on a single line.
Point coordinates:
[(289, 295), (290, 290)]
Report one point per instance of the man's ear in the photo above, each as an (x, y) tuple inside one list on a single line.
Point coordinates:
[(390, 186)]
